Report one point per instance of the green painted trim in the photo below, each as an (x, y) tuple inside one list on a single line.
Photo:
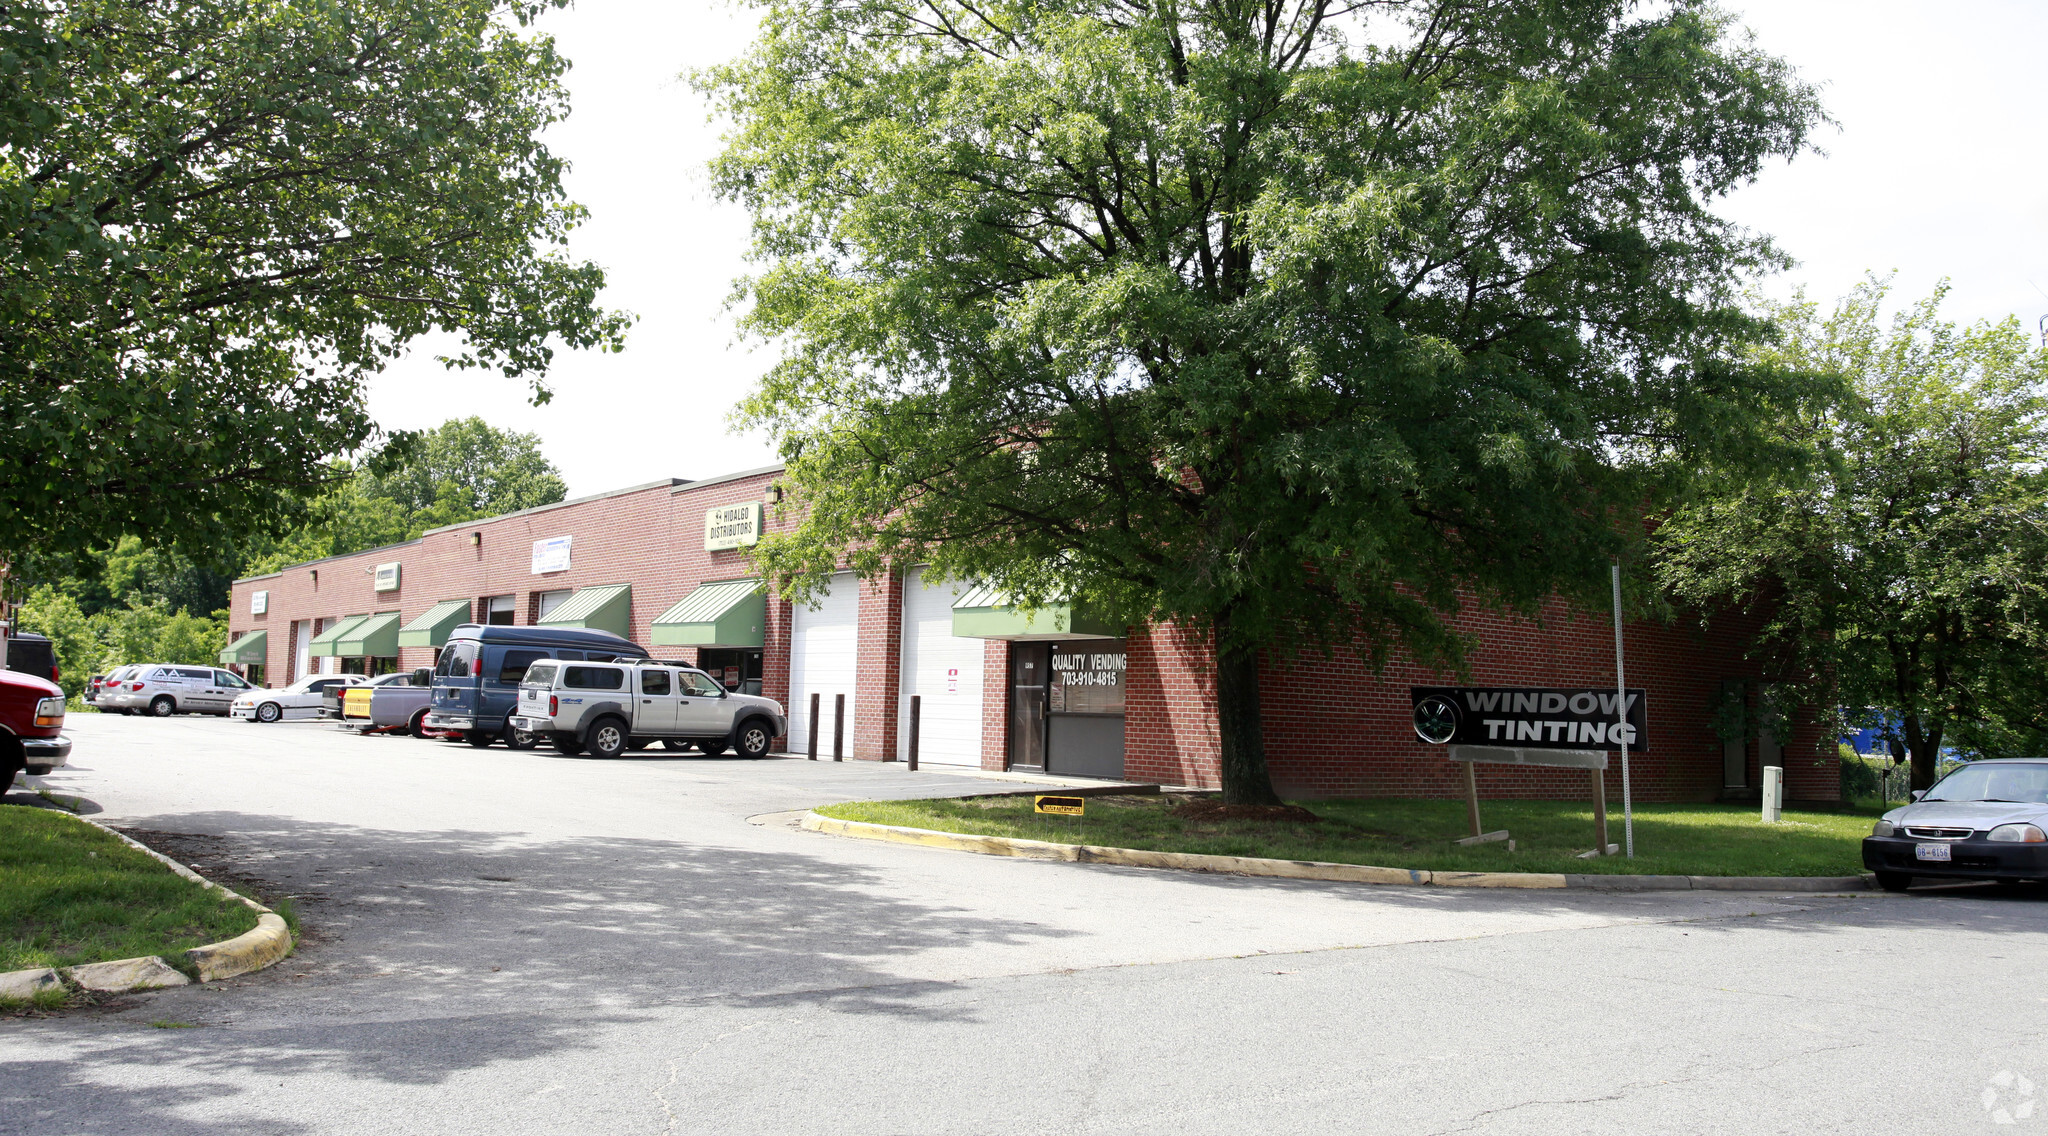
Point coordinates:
[(376, 637), (250, 649), (1052, 621), (433, 625), (323, 643), (727, 613), (608, 607)]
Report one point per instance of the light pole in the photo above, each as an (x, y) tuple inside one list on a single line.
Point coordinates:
[(1628, 814)]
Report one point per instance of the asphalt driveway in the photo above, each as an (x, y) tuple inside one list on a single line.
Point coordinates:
[(522, 942)]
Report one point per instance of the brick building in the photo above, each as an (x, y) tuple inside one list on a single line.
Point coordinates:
[(665, 565)]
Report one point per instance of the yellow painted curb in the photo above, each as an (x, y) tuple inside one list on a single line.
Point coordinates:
[(251, 950), (1141, 858)]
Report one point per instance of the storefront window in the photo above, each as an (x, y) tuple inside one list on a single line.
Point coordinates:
[(1088, 678), (498, 610)]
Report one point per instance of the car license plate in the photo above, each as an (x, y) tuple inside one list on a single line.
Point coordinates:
[(1930, 852)]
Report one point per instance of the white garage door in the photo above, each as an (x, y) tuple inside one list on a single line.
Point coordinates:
[(945, 671), (821, 662)]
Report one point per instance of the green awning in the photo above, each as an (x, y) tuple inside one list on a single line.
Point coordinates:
[(250, 650), (605, 608), (375, 637), (323, 643), (728, 613), (984, 613), (432, 627)]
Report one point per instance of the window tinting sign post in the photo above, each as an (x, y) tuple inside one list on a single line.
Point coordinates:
[(1544, 726), (1528, 717), (1059, 806)]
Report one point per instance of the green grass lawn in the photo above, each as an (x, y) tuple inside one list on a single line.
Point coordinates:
[(70, 893), (1699, 840)]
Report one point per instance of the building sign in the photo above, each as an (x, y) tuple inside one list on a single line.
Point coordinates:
[(732, 526), (551, 555), (387, 578), (1528, 717), (1088, 679), (259, 602)]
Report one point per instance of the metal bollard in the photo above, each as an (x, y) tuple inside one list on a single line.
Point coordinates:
[(839, 727), (916, 708), (814, 726)]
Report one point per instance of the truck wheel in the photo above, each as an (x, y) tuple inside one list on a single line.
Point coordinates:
[(477, 738), (269, 712), (520, 739), (638, 744), (417, 727), (163, 706), (566, 744), (1893, 881), (711, 747), (10, 763), (675, 745), (753, 739), (606, 739)]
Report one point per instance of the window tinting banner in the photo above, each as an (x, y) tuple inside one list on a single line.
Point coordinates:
[(1528, 716)]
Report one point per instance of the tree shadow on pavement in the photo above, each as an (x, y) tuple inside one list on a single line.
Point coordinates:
[(430, 953)]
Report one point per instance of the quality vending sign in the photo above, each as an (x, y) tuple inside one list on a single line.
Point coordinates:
[(1529, 717)]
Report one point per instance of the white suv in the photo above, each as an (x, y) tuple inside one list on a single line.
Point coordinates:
[(164, 689), (605, 709)]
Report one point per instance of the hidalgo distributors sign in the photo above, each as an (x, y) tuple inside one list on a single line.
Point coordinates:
[(732, 526), (1528, 717)]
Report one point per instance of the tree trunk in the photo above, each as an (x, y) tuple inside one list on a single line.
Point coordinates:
[(1238, 725), (1924, 744)]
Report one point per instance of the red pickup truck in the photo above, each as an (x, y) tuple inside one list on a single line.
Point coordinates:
[(31, 726)]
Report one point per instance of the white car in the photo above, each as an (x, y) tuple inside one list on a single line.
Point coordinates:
[(299, 700)]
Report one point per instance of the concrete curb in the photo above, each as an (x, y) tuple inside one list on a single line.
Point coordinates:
[(268, 942), (1313, 869)]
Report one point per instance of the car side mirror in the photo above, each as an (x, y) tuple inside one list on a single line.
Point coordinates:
[(423, 676), (1919, 793)]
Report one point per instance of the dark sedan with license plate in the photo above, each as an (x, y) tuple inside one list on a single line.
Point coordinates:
[(1987, 820)]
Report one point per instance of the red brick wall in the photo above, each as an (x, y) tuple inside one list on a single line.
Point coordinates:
[(652, 538), (1332, 727), (995, 704), (877, 679)]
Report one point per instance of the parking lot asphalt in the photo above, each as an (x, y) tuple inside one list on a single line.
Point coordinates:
[(523, 942)]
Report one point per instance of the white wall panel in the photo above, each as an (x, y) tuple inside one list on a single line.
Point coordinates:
[(822, 659), (945, 670)]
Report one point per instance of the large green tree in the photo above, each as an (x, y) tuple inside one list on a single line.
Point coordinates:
[(466, 468), (1300, 322), (217, 217), (1903, 571)]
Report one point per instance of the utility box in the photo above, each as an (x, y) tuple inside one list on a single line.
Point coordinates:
[(1774, 793)]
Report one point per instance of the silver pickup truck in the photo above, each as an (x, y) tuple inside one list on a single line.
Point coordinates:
[(606, 709)]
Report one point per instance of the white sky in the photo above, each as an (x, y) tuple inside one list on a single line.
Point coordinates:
[(1936, 170)]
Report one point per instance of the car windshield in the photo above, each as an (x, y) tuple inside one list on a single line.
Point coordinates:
[(1989, 781)]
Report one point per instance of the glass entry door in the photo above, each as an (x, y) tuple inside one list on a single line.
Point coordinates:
[(1030, 664)]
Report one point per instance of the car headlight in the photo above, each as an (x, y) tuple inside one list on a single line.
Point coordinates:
[(1883, 828), (2019, 834), (50, 712)]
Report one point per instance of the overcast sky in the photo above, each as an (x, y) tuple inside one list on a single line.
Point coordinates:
[(1936, 170)]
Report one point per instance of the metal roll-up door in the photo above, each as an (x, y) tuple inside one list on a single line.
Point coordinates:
[(822, 660), (944, 670)]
